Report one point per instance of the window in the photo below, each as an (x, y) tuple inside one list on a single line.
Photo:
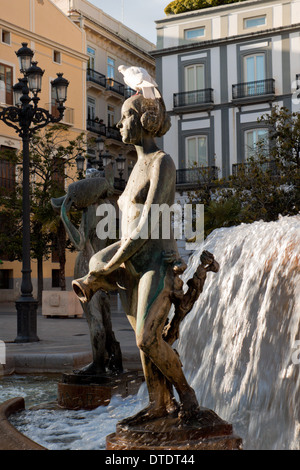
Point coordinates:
[(6, 77), (110, 116), (254, 22), (192, 34), (91, 108), (196, 151), (6, 279), (92, 54), (254, 67), (256, 140), (57, 57), (110, 67), (7, 170), (194, 77), (5, 37)]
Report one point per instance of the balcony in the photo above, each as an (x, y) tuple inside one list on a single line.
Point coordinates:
[(198, 99), (96, 77), (113, 133), (96, 126), (117, 87), (93, 125), (254, 92), (241, 169), (68, 117), (191, 177)]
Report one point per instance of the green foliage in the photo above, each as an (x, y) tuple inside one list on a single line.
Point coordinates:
[(264, 187), (51, 161), (181, 6)]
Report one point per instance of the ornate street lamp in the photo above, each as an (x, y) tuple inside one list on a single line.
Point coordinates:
[(24, 55), (26, 118), (80, 160), (120, 165), (99, 163)]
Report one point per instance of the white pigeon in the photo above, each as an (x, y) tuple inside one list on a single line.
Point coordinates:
[(139, 79)]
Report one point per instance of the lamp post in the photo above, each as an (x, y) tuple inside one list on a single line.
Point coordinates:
[(120, 166), (80, 160), (26, 117)]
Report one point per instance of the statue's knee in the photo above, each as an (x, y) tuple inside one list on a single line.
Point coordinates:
[(145, 343)]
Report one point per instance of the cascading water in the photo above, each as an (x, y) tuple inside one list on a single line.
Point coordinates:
[(238, 346), (239, 343)]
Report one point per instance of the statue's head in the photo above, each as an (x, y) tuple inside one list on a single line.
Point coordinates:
[(140, 114)]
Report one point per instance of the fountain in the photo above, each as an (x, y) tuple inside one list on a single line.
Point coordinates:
[(244, 327), (245, 331)]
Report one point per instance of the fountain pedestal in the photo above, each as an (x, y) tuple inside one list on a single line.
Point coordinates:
[(87, 392), (206, 432)]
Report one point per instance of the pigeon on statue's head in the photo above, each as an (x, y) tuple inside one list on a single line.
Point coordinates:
[(139, 79)]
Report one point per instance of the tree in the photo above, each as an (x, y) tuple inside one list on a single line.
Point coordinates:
[(266, 185), (51, 161), (181, 6)]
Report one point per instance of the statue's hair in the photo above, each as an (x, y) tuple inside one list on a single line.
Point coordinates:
[(152, 113)]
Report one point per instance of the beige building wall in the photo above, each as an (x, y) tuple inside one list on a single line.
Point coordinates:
[(59, 46)]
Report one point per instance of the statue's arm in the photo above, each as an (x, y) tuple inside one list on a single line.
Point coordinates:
[(74, 234), (162, 181)]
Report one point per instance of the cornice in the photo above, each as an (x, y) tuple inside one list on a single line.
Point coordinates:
[(226, 41)]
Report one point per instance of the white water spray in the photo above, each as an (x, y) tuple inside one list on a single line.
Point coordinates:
[(237, 344)]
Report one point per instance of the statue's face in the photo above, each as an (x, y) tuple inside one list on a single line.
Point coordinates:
[(130, 125)]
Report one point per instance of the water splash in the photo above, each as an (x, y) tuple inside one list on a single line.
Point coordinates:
[(238, 341), (236, 346)]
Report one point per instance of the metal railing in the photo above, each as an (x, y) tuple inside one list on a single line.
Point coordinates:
[(113, 133), (68, 117), (93, 125), (191, 98), (249, 89), (96, 77), (198, 175), (113, 85), (244, 168)]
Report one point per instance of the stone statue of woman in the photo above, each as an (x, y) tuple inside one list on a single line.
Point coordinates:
[(145, 269)]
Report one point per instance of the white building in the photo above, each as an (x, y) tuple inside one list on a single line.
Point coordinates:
[(220, 69)]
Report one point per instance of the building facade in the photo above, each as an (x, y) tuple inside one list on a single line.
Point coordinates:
[(80, 40), (219, 70), (109, 43), (59, 46)]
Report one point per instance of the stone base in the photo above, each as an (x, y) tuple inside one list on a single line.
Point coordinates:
[(61, 304), (207, 433), (87, 392)]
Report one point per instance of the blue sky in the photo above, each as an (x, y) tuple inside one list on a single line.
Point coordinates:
[(139, 15)]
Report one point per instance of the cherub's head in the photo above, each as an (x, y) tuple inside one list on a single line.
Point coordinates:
[(143, 115)]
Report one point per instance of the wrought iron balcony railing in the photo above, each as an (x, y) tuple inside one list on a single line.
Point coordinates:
[(243, 168), (113, 133), (253, 89), (192, 98), (113, 85), (93, 125), (96, 77), (198, 175)]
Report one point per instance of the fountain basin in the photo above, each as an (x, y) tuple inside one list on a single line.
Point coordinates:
[(11, 438)]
